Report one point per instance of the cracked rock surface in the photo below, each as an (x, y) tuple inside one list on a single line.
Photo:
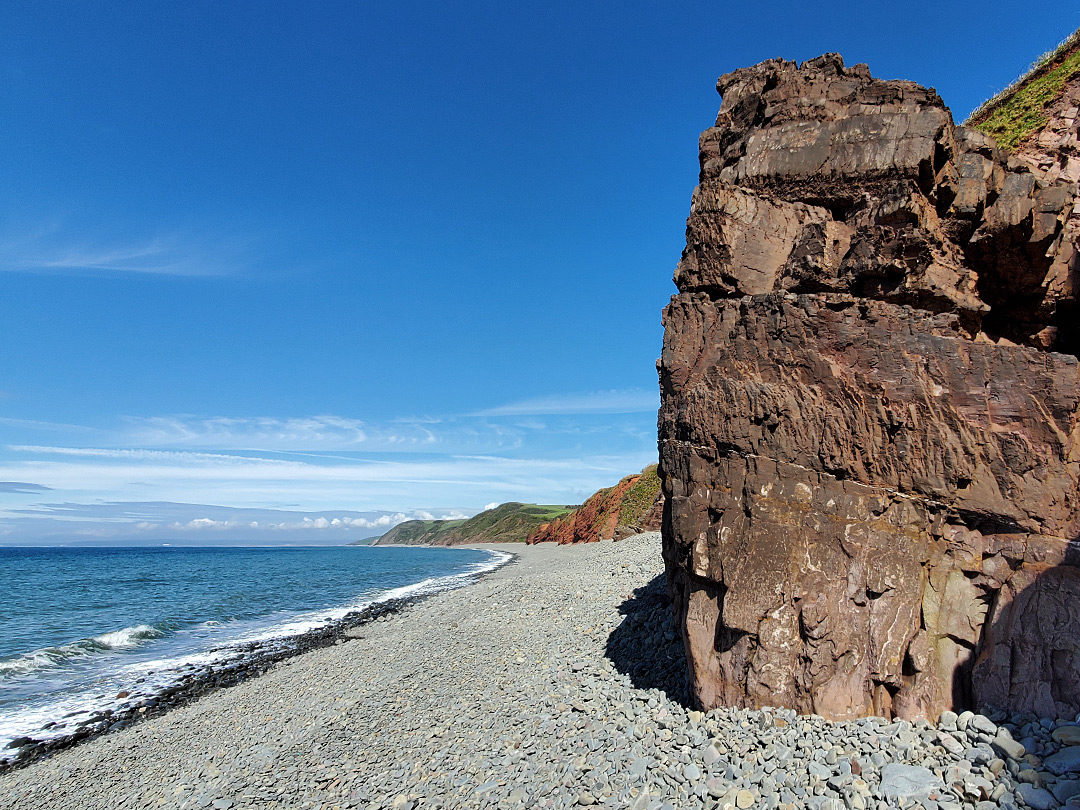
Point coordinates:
[(870, 408)]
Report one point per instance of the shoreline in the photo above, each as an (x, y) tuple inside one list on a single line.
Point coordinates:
[(252, 660), (555, 682)]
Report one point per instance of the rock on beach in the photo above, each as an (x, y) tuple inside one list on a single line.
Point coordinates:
[(847, 438)]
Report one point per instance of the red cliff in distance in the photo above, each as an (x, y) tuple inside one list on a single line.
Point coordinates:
[(632, 506)]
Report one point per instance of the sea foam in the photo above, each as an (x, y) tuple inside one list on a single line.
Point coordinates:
[(52, 691)]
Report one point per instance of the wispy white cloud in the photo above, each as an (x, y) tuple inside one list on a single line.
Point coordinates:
[(503, 429), (152, 257), (139, 454), (59, 249), (306, 524), (21, 487), (327, 433), (262, 432), (628, 400), (36, 425)]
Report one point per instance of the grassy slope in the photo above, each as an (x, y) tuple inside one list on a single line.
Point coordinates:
[(419, 531), (1018, 111), (508, 523), (639, 497)]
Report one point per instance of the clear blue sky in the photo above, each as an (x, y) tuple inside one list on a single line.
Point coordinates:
[(348, 258)]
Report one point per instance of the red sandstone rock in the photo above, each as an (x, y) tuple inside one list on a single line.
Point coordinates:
[(593, 520), (870, 457), (613, 512)]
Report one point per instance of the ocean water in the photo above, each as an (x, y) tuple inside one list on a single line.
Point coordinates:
[(81, 626)]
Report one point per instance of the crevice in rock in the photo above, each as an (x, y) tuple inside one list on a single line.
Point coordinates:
[(727, 638), (989, 523)]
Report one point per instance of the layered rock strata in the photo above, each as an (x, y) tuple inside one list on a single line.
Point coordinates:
[(870, 420)]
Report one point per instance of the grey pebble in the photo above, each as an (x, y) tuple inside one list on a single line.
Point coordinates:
[(1037, 798), (1067, 760), (900, 781)]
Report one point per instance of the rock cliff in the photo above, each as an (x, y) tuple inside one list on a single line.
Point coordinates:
[(632, 506), (870, 421)]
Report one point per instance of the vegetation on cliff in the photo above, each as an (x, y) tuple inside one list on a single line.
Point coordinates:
[(640, 497), (631, 506), (508, 523), (1019, 111)]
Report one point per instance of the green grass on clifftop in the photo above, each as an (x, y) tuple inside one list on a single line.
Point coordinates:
[(1019, 110)]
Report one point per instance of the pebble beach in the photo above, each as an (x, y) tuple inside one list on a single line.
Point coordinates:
[(556, 681)]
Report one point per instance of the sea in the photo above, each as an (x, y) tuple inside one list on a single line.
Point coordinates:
[(85, 631)]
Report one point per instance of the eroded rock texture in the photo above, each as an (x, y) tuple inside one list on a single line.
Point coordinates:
[(870, 420)]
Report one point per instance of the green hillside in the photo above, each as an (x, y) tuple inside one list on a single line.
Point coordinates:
[(418, 532), (507, 523)]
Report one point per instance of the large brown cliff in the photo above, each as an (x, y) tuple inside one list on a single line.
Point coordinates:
[(870, 419)]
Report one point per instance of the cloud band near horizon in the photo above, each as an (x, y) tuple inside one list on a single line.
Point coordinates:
[(550, 450)]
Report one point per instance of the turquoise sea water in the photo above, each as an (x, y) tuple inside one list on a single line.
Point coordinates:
[(80, 626)]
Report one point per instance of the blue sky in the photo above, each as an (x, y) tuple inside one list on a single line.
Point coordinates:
[(264, 262)]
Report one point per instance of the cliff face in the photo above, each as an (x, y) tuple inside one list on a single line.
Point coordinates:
[(870, 418), (1054, 152), (632, 506)]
